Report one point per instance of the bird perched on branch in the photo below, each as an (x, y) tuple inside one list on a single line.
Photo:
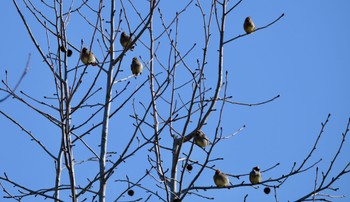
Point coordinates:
[(136, 67), (255, 175), (220, 179), (125, 41), (87, 57), (248, 25), (200, 139)]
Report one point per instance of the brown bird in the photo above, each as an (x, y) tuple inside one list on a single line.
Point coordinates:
[(248, 25), (220, 179), (200, 139), (87, 57), (136, 67), (125, 41), (255, 175)]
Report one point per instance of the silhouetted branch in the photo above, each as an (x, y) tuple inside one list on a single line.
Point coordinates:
[(25, 71)]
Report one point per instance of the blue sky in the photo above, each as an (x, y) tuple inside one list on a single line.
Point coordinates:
[(304, 58)]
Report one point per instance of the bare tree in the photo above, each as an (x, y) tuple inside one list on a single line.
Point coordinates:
[(158, 116)]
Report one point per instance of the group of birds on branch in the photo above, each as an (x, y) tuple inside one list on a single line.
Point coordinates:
[(88, 58), (200, 139), (221, 179)]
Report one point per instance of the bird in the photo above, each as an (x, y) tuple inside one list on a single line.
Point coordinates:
[(136, 67), (125, 41), (255, 175), (220, 179), (200, 139), (87, 57), (248, 25)]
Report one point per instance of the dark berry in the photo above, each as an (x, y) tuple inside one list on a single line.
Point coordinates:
[(189, 167), (267, 190), (62, 49), (69, 52), (131, 192)]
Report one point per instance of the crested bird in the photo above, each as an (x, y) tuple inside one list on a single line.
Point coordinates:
[(200, 139), (87, 57), (255, 176), (248, 25), (220, 179), (125, 41), (136, 67)]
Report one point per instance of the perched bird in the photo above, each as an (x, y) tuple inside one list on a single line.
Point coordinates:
[(136, 67), (220, 179), (200, 139), (87, 57), (125, 40), (249, 26), (255, 175)]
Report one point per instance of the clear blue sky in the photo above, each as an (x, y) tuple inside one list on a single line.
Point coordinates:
[(304, 58)]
